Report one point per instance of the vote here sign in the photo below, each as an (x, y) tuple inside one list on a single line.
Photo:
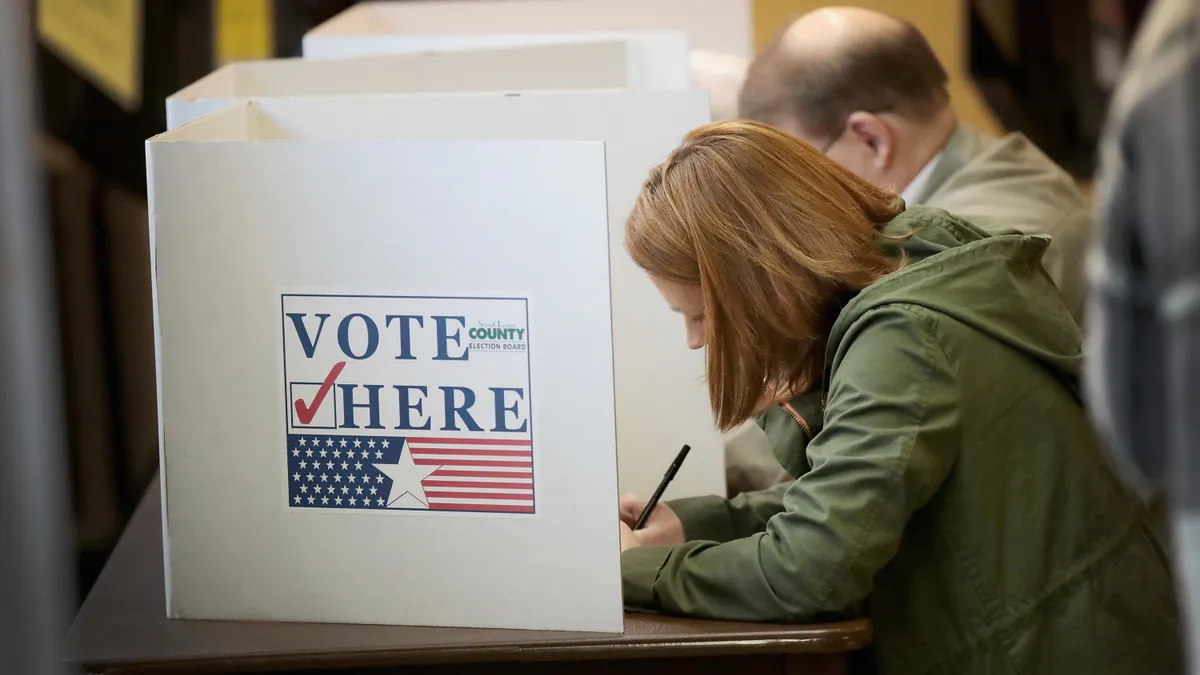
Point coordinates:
[(412, 403)]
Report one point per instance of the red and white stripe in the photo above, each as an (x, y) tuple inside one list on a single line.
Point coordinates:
[(477, 474)]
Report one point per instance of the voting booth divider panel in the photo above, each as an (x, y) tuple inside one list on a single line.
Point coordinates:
[(385, 373), (715, 45), (723, 26), (601, 64), (661, 399), (657, 59)]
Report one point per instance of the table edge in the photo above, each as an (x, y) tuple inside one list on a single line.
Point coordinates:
[(850, 636)]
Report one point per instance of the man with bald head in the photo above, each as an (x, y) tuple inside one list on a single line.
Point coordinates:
[(867, 90)]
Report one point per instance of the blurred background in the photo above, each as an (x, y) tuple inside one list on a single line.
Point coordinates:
[(1043, 67)]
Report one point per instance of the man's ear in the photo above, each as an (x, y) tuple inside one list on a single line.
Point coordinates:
[(870, 130)]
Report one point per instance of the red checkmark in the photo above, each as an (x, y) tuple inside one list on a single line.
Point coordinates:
[(306, 413)]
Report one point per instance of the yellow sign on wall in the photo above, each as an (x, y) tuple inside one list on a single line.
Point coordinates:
[(102, 39), (243, 30)]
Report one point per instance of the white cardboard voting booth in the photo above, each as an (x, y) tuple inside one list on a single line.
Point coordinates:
[(721, 75), (580, 65), (659, 59), (715, 25), (661, 398), (385, 372)]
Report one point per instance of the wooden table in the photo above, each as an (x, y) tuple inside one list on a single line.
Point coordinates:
[(122, 628)]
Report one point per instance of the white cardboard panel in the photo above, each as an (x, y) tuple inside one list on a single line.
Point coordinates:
[(715, 25), (237, 222), (721, 75), (579, 65), (662, 402), (658, 59)]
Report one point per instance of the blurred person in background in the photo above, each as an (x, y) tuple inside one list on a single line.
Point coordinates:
[(36, 593), (868, 91), (1144, 312)]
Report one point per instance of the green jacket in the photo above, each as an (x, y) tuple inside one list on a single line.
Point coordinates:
[(952, 476)]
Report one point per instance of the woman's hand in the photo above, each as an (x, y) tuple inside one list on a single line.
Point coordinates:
[(663, 527), (628, 538)]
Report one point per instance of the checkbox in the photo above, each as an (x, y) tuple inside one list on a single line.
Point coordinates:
[(324, 417)]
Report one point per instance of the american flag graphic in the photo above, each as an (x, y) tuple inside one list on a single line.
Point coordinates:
[(477, 474), (448, 473)]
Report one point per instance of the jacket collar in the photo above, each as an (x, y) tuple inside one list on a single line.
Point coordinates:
[(963, 146)]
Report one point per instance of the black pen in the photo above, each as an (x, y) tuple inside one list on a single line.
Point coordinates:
[(662, 486)]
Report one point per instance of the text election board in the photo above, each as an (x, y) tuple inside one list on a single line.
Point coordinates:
[(386, 377)]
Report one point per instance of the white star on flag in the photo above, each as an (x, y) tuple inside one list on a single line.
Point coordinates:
[(408, 501), (406, 480)]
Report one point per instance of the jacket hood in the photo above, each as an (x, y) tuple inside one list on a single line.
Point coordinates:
[(993, 283)]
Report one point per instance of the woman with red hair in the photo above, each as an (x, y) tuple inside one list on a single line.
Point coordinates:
[(922, 380)]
